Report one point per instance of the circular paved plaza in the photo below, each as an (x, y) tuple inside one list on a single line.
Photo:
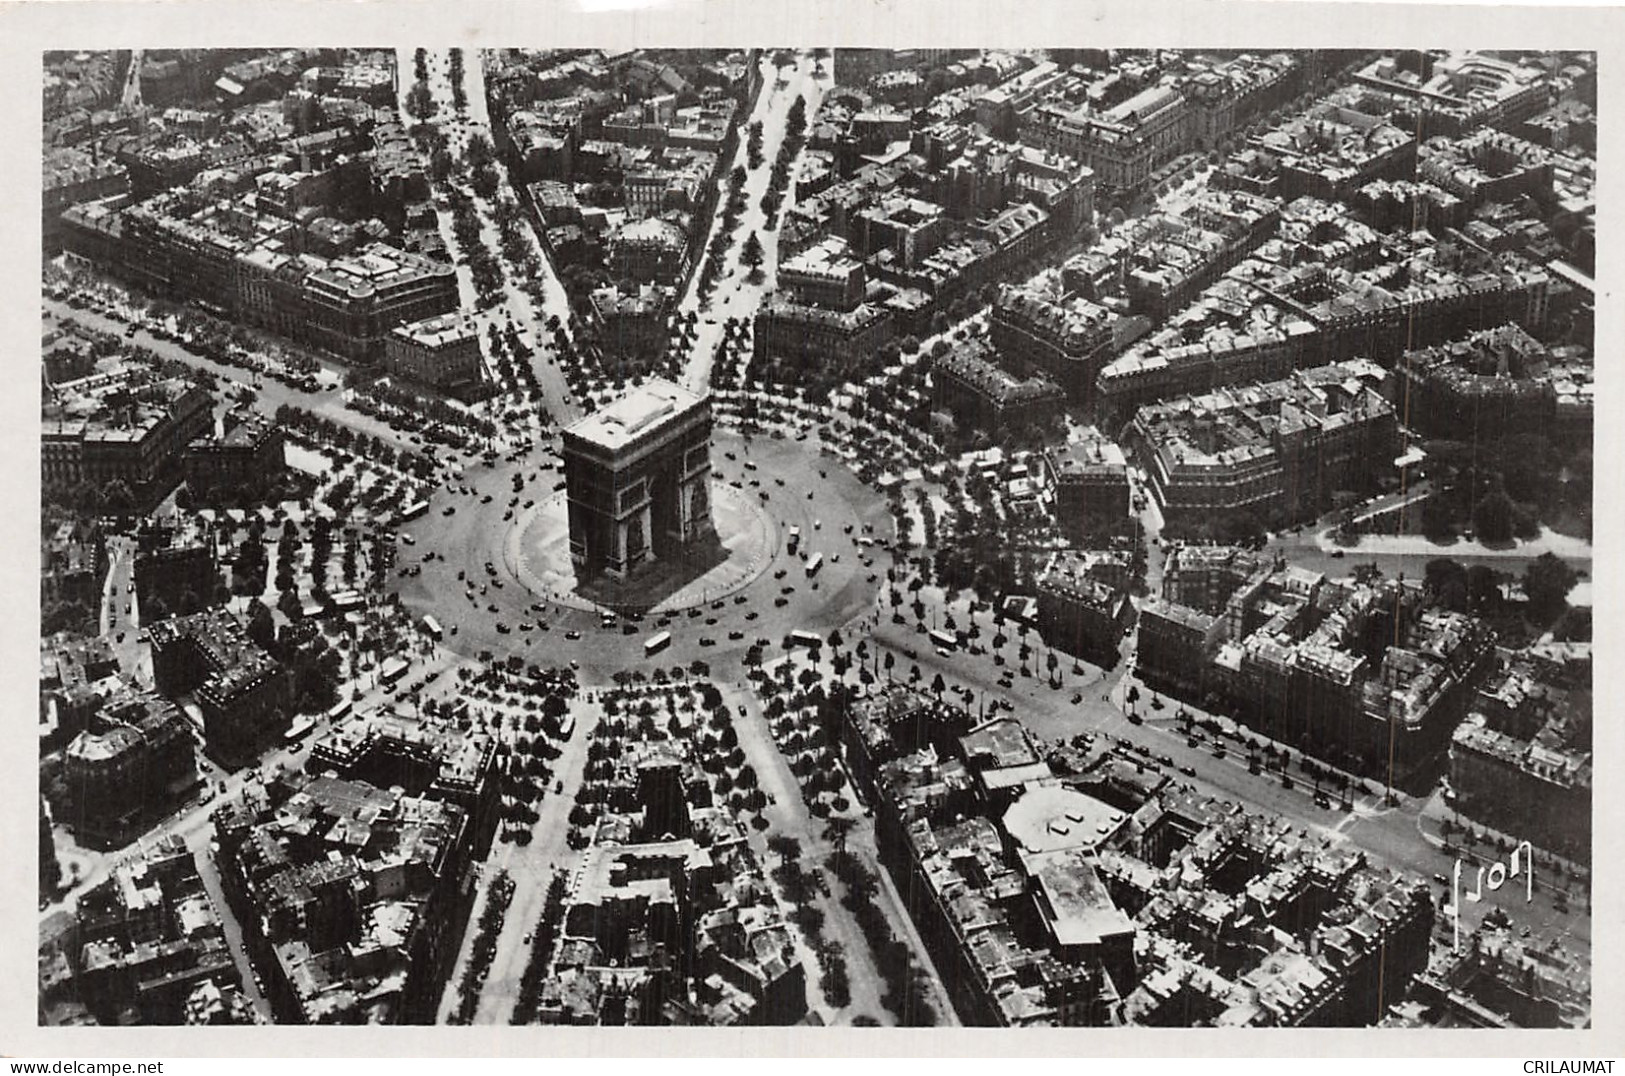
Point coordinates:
[(494, 564)]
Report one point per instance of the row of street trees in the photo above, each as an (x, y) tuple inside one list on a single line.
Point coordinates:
[(795, 136), (420, 103), (459, 96), (484, 950), (1506, 487), (1546, 580)]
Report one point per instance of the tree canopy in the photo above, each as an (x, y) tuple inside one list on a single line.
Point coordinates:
[(1547, 582), (1493, 518)]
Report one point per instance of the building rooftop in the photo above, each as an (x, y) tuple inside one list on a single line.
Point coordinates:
[(973, 363), (654, 231), (1097, 457), (1053, 818), (1241, 424), (1073, 323), (779, 306), (438, 331), (1076, 907), (376, 268), (1463, 82), (617, 872), (828, 257), (644, 408)]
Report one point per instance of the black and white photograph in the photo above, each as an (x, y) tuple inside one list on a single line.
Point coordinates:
[(777, 535)]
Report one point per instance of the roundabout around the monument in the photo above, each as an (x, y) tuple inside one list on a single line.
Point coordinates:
[(490, 561)]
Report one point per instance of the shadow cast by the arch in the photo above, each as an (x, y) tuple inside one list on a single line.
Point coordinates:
[(653, 583), (739, 549)]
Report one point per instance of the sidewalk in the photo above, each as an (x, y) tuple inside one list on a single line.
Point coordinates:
[(1561, 545)]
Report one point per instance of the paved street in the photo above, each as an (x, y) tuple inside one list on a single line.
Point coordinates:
[(199, 843), (457, 133), (787, 813), (269, 393), (532, 868), (119, 621), (490, 557), (475, 534), (1409, 555), (734, 294), (192, 820), (516, 307), (130, 96), (1389, 835)]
